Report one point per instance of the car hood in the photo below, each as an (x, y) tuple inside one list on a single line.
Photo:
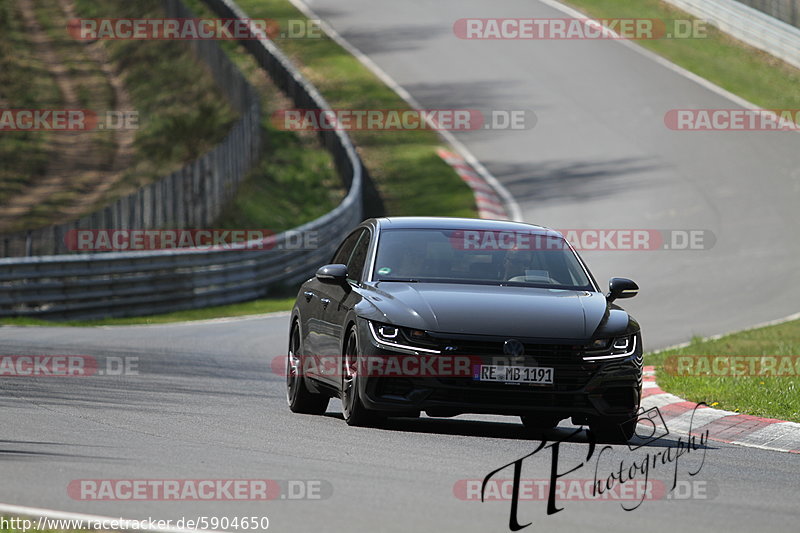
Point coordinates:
[(490, 310)]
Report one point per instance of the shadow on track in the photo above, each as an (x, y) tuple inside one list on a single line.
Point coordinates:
[(575, 180), (25, 450), (502, 430)]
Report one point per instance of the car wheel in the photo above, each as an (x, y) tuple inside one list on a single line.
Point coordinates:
[(301, 400), (614, 432), (539, 423), (355, 414)]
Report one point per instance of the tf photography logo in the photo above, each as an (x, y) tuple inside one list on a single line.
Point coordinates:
[(613, 471)]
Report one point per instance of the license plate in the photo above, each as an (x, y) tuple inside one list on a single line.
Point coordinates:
[(534, 375)]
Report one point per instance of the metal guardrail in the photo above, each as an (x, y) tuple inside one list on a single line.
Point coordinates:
[(785, 10), (749, 25), (117, 284)]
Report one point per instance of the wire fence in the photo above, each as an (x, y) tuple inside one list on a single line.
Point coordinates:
[(118, 284), (193, 196)]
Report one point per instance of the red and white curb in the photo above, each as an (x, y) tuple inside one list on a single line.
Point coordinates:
[(488, 201), (722, 426)]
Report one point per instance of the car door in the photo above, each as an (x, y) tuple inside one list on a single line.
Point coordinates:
[(343, 299), (324, 298)]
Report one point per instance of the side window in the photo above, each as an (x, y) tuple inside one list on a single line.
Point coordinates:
[(355, 267), (342, 255)]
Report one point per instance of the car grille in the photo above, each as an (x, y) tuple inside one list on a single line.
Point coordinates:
[(496, 348), (571, 372)]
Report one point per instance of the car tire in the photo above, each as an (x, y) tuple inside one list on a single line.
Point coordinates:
[(613, 432), (539, 423), (353, 410), (299, 397)]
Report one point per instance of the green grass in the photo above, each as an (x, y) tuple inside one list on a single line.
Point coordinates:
[(731, 64), (93, 92), (182, 113), (255, 307), (410, 177), (25, 83), (295, 181), (774, 397)]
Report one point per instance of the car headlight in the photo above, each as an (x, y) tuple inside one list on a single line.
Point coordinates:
[(388, 333), (599, 345), (613, 348), (402, 338), (622, 344)]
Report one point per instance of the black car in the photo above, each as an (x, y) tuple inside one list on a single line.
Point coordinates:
[(453, 316)]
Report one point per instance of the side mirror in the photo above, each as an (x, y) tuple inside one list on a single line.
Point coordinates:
[(621, 288), (333, 274)]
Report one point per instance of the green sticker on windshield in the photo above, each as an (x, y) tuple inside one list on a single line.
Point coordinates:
[(384, 271)]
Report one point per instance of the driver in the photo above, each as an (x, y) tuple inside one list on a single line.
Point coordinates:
[(515, 263)]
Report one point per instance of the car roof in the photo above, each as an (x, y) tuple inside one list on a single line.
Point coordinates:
[(457, 224)]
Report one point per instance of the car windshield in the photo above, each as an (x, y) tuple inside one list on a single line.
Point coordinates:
[(528, 258)]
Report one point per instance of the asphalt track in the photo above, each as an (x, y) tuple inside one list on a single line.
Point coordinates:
[(206, 404), (600, 156)]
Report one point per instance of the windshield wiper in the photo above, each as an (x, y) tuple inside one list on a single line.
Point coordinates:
[(401, 280)]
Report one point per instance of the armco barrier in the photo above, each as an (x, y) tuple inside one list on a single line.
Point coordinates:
[(116, 284), (749, 25), (785, 10)]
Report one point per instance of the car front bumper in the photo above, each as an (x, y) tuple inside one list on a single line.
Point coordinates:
[(580, 389)]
